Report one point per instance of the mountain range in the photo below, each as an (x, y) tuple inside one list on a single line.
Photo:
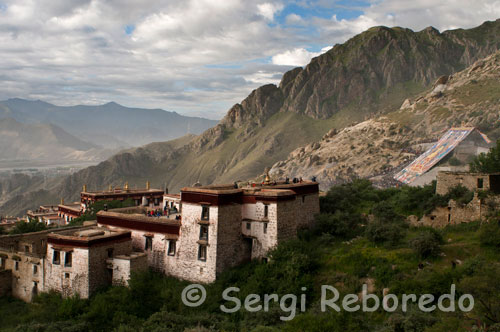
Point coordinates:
[(110, 125), (364, 79)]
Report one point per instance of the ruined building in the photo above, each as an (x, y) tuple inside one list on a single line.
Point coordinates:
[(197, 235), (455, 213)]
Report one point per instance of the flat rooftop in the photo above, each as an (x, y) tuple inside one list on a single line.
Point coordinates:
[(87, 237), (255, 188)]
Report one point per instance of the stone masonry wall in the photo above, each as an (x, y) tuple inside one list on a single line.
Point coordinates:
[(185, 264), (100, 275), (124, 266), (5, 282), (446, 181), (232, 249), (264, 239)]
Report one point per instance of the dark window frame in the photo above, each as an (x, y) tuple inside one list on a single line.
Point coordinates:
[(202, 253), (266, 210), (171, 248), (265, 228), (480, 183), (204, 234), (148, 244), (56, 257), (68, 259), (205, 212)]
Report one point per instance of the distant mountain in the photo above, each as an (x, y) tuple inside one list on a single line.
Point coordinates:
[(44, 142), (369, 75), (110, 125)]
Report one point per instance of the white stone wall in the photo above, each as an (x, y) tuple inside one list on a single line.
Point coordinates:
[(185, 263), (88, 270), (68, 280), (124, 266), (23, 279), (232, 248), (262, 242)]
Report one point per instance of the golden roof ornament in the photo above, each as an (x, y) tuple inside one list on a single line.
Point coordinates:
[(126, 186), (267, 180), (148, 185), (110, 188), (62, 201), (84, 188)]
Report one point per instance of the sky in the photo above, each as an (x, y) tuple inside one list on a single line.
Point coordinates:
[(195, 57)]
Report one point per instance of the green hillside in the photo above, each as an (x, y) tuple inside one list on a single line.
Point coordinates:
[(360, 238)]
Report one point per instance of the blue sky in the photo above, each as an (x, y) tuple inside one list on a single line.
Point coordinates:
[(195, 57)]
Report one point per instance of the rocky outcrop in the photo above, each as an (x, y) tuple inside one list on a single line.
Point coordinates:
[(378, 148)]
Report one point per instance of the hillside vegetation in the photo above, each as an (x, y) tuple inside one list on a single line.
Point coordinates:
[(360, 238)]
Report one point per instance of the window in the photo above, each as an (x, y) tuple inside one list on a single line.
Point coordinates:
[(480, 183), (303, 198), (205, 215), (2, 263), (266, 211), (16, 265), (66, 276), (110, 252), (171, 247), (202, 253), (249, 226), (35, 270), (149, 243), (265, 228), (26, 248), (204, 232), (68, 259), (56, 258)]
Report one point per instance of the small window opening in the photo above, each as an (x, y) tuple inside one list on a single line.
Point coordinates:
[(171, 247), (480, 183), (265, 228), (205, 212), (204, 232), (56, 258), (68, 259), (149, 243), (202, 253)]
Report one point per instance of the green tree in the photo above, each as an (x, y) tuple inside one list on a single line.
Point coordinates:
[(487, 162), (28, 227)]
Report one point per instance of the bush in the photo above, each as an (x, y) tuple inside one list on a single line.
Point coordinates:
[(380, 232), (487, 163), (490, 234), (426, 244), (340, 224)]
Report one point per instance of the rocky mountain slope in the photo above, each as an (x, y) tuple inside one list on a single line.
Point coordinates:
[(371, 74), (110, 125), (44, 142), (377, 147)]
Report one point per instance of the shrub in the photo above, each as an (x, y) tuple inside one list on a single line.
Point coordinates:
[(426, 244), (340, 224), (380, 232), (490, 234)]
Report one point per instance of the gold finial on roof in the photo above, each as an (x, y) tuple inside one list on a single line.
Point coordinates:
[(126, 186), (62, 201), (267, 180), (110, 188), (148, 185), (84, 188)]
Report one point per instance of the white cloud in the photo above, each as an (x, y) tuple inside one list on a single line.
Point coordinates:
[(296, 57), (268, 10), (195, 56)]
